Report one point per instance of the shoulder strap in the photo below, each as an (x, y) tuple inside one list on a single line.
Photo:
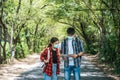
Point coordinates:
[(64, 46), (48, 55)]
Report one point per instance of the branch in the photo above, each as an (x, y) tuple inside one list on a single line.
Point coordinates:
[(36, 29), (1, 45), (2, 8), (65, 23), (94, 15), (18, 8), (97, 9), (44, 6), (90, 9), (30, 6), (2, 24), (31, 2), (22, 26), (105, 4)]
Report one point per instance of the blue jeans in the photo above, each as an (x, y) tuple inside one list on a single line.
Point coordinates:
[(75, 70), (54, 75)]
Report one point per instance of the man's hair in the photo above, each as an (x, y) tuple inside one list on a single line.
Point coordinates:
[(71, 31)]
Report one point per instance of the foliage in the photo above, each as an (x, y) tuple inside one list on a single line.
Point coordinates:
[(28, 25)]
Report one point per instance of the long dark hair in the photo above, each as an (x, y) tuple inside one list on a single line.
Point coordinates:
[(53, 39)]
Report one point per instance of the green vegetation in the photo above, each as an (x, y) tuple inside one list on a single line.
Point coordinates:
[(27, 25)]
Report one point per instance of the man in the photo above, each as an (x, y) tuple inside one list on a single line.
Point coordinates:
[(72, 50)]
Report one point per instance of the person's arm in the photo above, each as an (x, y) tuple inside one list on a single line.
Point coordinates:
[(76, 55), (80, 53), (81, 48), (64, 57), (62, 49), (42, 56)]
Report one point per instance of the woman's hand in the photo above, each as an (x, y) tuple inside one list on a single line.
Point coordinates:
[(59, 54), (46, 61), (64, 58)]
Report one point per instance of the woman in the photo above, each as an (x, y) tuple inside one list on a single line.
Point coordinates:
[(52, 62)]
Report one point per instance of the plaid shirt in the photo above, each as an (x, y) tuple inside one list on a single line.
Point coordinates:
[(77, 48), (48, 68)]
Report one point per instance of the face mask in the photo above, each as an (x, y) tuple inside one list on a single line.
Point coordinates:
[(70, 37), (56, 46)]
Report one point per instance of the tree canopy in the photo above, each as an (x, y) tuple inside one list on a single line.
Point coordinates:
[(27, 25)]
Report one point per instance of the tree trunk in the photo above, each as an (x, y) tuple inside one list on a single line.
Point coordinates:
[(4, 45), (28, 38), (21, 54), (11, 45), (1, 58), (35, 39)]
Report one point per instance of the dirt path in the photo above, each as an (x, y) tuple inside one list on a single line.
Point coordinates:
[(29, 69)]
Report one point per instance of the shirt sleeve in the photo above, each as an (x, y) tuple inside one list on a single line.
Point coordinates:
[(43, 55), (81, 46)]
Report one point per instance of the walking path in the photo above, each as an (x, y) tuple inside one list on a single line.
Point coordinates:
[(29, 69)]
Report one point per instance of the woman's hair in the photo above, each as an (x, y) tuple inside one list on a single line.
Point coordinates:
[(53, 39)]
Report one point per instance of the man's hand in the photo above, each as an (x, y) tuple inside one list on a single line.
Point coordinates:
[(73, 55)]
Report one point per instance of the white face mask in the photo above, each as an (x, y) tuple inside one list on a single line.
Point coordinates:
[(56, 46), (70, 37)]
